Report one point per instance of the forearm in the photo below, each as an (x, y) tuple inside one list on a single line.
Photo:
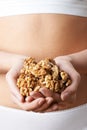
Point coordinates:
[(7, 60), (79, 60)]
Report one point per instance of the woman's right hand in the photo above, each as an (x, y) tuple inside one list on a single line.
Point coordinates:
[(30, 105)]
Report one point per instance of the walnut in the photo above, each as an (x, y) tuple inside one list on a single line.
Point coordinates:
[(45, 73), (64, 75)]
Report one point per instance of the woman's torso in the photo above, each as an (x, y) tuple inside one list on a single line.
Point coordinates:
[(40, 36)]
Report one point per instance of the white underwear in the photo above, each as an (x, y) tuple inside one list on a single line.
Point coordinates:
[(72, 119), (18, 7)]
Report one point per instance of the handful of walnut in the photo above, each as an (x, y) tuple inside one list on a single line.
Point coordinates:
[(45, 73)]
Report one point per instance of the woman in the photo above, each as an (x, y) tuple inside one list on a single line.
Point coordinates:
[(55, 29)]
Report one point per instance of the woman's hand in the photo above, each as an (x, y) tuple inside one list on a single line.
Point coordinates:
[(45, 100), (46, 93), (68, 96), (64, 63), (30, 103)]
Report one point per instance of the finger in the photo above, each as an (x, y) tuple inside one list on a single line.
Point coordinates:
[(48, 93), (71, 98), (64, 105), (29, 99), (36, 95), (58, 107), (12, 85), (56, 97), (29, 106), (69, 91), (52, 108), (75, 77), (48, 102)]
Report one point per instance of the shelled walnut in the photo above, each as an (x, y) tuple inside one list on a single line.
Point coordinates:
[(45, 73)]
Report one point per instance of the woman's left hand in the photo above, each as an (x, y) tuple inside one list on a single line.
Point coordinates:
[(64, 63), (57, 103), (46, 93), (68, 96)]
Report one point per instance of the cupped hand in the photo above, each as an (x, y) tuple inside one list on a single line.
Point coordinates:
[(45, 100), (64, 63), (56, 104), (32, 103), (49, 96), (68, 96)]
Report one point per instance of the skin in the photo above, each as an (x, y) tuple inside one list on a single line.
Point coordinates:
[(40, 36)]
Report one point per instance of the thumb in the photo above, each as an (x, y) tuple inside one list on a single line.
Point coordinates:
[(69, 98)]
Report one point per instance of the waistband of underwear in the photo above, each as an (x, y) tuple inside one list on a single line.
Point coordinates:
[(18, 7)]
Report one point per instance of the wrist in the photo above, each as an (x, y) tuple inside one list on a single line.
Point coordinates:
[(64, 58), (15, 59), (69, 59), (79, 61), (7, 60)]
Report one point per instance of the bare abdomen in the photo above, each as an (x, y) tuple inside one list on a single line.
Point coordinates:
[(43, 36)]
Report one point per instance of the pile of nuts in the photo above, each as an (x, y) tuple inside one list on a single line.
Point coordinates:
[(45, 73)]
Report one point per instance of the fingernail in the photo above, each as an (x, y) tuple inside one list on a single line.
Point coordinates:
[(49, 101)]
